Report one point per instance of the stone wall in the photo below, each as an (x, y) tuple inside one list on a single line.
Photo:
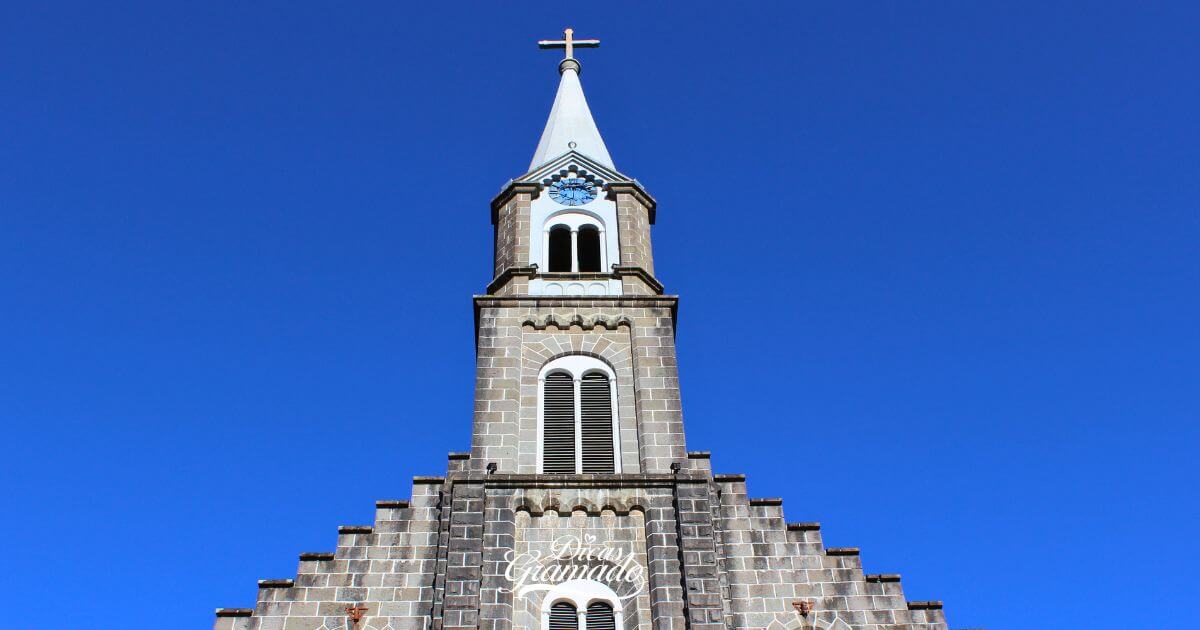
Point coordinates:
[(634, 220), (635, 336), (714, 557), (544, 535), (510, 218)]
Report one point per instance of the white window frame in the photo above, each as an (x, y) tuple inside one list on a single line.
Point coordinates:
[(582, 593), (573, 221), (577, 366)]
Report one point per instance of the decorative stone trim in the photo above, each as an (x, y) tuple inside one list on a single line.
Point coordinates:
[(841, 551), (459, 455), (318, 556), (355, 529), (573, 167), (929, 605), (574, 161), (883, 577), (804, 527), (591, 301), (391, 504), (288, 583), (568, 505), (731, 478), (587, 323), (235, 612), (699, 455), (429, 480), (767, 501)]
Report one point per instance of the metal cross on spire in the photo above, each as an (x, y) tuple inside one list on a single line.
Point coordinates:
[(569, 43)]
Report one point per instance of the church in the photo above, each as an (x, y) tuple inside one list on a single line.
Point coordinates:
[(578, 506)]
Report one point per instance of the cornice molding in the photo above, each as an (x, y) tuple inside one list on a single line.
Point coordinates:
[(585, 301), (638, 192), (531, 271), (510, 190), (639, 272), (587, 480), (508, 274)]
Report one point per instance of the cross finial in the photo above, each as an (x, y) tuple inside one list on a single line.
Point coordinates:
[(569, 43)]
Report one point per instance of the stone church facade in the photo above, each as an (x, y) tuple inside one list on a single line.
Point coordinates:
[(579, 506)]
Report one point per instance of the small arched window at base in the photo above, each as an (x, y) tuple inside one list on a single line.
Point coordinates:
[(600, 616), (563, 617)]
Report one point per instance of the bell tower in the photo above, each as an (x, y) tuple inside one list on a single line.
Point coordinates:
[(574, 277)]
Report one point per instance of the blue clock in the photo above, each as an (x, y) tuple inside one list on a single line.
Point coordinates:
[(573, 191)]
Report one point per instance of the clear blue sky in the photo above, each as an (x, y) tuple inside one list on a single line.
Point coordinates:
[(938, 266)]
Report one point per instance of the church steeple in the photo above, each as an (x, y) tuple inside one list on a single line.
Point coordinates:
[(570, 126), (573, 225), (579, 505)]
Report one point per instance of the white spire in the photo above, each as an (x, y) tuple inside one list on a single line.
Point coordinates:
[(570, 126)]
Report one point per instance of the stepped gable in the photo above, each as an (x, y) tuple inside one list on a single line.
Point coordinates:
[(764, 565)]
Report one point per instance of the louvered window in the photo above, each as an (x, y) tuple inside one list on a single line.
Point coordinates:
[(577, 418), (600, 617), (595, 423), (558, 409), (564, 617)]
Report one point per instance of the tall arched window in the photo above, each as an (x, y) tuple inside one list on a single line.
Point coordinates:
[(563, 617), (589, 248), (577, 418), (560, 254)]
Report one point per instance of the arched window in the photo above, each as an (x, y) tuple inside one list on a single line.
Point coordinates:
[(573, 242), (589, 248), (594, 605), (600, 616), (559, 256), (577, 418), (563, 617)]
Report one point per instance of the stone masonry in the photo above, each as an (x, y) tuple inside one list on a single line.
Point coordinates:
[(438, 560), (713, 556)]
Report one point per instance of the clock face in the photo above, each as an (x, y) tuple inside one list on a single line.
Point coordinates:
[(573, 191)]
